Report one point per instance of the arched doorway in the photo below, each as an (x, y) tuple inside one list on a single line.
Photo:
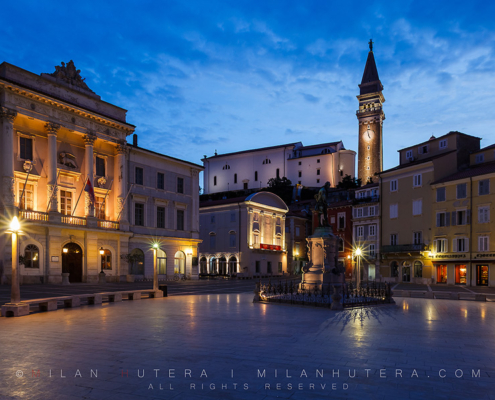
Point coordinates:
[(72, 262), (222, 266), (232, 265), (406, 272), (203, 266), (161, 261), (137, 262), (213, 266), (180, 263)]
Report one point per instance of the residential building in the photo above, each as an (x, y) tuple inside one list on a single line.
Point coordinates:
[(59, 137), (366, 230), (297, 229), (463, 224), (243, 236), (309, 166), (406, 204)]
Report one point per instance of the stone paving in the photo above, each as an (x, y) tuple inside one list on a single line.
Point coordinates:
[(188, 347)]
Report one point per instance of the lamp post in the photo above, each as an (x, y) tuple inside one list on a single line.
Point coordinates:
[(15, 308), (101, 275), (155, 267), (358, 274)]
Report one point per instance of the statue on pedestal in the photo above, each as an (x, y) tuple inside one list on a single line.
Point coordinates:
[(321, 205)]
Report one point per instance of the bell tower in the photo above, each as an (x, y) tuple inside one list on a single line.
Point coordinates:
[(370, 116)]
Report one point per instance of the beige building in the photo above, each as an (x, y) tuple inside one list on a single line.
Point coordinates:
[(462, 224), (407, 209), (243, 236), (57, 135)]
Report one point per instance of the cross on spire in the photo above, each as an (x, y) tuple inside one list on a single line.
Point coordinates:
[(371, 44)]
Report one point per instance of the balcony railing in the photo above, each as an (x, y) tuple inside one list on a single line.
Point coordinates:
[(33, 215), (73, 220), (108, 224), (368, 199), (404, 248)]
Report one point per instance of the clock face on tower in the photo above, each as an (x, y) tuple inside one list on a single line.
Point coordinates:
[(368, 134)]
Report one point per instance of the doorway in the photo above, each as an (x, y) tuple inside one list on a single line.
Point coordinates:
[(406, 274), (482, 275), (72, 262)]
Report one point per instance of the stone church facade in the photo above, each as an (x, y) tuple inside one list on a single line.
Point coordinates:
[(58, 137)]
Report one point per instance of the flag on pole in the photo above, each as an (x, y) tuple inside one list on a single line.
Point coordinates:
[(89, 189)]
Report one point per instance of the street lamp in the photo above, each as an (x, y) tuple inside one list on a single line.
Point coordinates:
[(101, 276), (15, 308), (358, 275), (155, 267)]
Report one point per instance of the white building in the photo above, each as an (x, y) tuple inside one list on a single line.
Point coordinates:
[(309, 166), (243, 236), (56, 135)]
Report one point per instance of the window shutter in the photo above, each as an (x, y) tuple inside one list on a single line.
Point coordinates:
[(446, 246), (366, 231), (453, 218), (480, 214), (468, 217), (480, 243), (365, 211), (447, 219), (435, 246), (466, 243), (454, 245)]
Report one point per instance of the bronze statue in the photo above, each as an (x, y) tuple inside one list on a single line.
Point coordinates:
[(321, 205)]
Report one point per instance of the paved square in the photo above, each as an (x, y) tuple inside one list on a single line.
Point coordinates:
[(187, 347)]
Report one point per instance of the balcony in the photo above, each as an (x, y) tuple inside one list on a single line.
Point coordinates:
[(369, 199), (404, 248), (67, 219)]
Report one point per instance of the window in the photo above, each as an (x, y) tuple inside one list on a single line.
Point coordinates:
[(245, 185), (299, 163), (100, 166), (443, 144), (180, 185), (483, 242), (409, 154), (483, 214), (106, 259), (278, 173), (393, 239), (442, 273), (235, 178), (232, 240), (442, 219), (212, 219), (317, 172), (213, 241), (480, 158), (394, 269), (299, 174), (214, 181), (160, 217), (266, 161), (268, 267), (65, 202), (256, 176), (460, 274), (297, 249), (298, 231), (139, 176), (317, 160), (417, 207), (359, 212), (484, 187), (26, 148), (372, 230), (27, 201), (180, 263), (279, 267), (31, 257), (417, 238), (139, 214), (459, 217), (371, 211), (100, 207), (460, 245), (232, 217), (440, 245), (371, 250), (341, 218), (160, 181), (394, 210), (393, 185), (417, 180), (418, 269), (180, 220), (360, 231), (440, 194), (462, 190), (423, 149), (161, 258), (258, 267), (341, 244)]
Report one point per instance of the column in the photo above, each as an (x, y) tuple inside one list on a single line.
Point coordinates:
[(195, 204), (262, 227), (52, 189), (274, 229), (282, 225), (7, 116), (89, 140), (120, 181), (250, 228)]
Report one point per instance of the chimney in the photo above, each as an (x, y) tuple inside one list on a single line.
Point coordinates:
[(134, 140)]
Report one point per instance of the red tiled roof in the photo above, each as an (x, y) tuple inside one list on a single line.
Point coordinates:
[(483, 169), (424, 160)]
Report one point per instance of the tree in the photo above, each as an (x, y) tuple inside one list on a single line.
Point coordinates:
[(282, 187), (279, 183), (349, 183)]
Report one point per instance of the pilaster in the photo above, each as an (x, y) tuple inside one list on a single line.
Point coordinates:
[(7, 116), (89, 140)]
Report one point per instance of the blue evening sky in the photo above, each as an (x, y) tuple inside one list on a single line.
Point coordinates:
[(200, 76)]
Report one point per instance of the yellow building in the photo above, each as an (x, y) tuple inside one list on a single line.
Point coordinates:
[(406, 206), (462, 224)]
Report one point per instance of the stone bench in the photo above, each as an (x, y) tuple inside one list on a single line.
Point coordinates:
[(93, 298), (113, 297), (51, 303)]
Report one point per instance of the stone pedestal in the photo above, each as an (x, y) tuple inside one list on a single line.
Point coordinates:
[(322, 268), (15, 310), (65, 278), (102, 278)]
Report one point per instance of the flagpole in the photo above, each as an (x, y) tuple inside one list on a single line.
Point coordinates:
[(77, 202), (106, 194), (54, 192), (125, 201)]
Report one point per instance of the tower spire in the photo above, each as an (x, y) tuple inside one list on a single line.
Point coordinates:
[(370, 82)]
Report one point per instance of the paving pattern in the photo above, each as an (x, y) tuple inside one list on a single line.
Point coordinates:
[(188, 346)]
